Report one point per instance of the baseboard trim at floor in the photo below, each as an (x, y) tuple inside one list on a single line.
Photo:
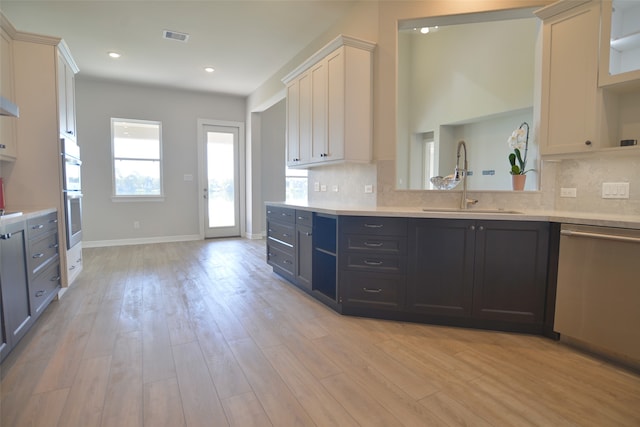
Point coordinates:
[(142, 241)]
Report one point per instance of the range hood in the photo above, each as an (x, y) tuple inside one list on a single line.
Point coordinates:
[(8, 108)]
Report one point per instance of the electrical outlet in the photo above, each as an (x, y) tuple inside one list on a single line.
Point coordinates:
[(568, 192), (368, 188), (323, 187), (316, 186), (615, 190), (334, 188)]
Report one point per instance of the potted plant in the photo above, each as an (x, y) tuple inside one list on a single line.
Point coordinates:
[(518, 141)]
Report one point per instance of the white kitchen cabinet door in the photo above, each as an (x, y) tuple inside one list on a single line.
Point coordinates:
[(8, 141), (66, 97), (329, 105), (571, 100)]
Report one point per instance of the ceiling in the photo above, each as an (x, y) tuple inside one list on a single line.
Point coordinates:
[(245, 41)]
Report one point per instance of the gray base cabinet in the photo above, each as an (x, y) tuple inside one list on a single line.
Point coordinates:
[(29, 275), (16, 307), (484, 270), (474, 273)]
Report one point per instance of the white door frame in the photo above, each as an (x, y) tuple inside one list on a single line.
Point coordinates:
[(202, 170)]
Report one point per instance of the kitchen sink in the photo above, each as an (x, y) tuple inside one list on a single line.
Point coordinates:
[(458, 210)]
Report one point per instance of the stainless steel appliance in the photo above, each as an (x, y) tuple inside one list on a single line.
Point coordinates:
[(599, 290), (72, 189)]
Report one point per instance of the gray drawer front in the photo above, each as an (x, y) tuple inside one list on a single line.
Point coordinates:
[(370, 289), (379, 226), (43, 288), (279, 258), (41, 225), (376, 262), (304, 218), (378, 244), (41, 251), (282, 232), (281, 214)]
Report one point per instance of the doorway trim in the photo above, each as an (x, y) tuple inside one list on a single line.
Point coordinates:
[(202, 175)]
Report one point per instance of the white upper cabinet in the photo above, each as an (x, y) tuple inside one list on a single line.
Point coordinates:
[(329, 105), (570, 80), (8, 142), (578, 113), (620, 42), (67, 70)]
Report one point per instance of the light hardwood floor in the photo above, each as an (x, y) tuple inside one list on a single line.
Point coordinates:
[(204, 334)]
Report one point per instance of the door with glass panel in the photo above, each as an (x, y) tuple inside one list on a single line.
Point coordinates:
[(222, 190)]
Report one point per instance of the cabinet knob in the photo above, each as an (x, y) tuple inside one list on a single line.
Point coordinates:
[(472, 228), (481, 228), (587, 142)]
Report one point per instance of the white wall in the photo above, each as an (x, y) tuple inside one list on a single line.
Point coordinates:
[(177, 217), (273, 130)]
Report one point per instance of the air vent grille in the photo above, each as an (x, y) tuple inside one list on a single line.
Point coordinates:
[(175, 35)]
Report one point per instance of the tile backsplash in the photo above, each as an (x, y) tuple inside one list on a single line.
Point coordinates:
[(586, 175)]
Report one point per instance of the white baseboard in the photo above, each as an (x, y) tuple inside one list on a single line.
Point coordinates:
[(143, 241), (254, 236)]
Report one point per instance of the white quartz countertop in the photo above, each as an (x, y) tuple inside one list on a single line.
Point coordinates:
[(584, 218), (27, 214)]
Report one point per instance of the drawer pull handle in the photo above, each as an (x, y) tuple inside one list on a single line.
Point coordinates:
[(271, 255), (73, 267), (373, 244), (79, 260), (37, 227), (268, 212), (35, 256), (307, 234), (53, 221), (371, 262), (372, 291), (55, 245), (54, 279), (302, 217), (39, 294), (5, 236), (285, 235), (286, 261), (374, 225)]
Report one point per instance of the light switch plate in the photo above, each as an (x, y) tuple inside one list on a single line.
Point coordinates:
[(368, 188), (615, 190), (568, 192)]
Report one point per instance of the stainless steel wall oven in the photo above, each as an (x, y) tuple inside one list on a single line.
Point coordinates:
[(72, 191)]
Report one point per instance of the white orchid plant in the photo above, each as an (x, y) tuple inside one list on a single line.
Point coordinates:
[(518, 141)]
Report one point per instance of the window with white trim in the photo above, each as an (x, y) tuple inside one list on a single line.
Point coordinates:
[(136, 147)]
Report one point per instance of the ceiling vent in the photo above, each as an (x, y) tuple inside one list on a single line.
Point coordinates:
[(174, 35)]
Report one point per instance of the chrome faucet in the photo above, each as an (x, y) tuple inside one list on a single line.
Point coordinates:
[(461, 174)]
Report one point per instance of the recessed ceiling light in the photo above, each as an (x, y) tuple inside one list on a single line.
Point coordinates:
[(209, 69), (114, 55)]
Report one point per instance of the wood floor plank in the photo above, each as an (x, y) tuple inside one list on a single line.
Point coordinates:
[(204, 333), (44, 409), (323, 408), (162, 404), (123, 405), (200, 402), (245, 410), (277, 400), (85, 402)]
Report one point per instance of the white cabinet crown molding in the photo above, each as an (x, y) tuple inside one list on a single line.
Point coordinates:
[(341, 40), (558, 7)]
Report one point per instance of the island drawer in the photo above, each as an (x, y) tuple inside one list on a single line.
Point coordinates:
[(379, 226), (281, 214), (378, 244), (41, 251), (282, 232), (373, 290)]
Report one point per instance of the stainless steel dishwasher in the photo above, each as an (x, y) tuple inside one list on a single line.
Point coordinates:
[(598, 295)]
